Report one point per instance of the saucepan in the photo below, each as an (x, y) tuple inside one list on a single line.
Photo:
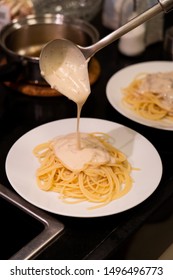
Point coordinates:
[(22, 40)]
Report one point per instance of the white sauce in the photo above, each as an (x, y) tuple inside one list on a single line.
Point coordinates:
[(91, 151), (160, 84), (68, 73)]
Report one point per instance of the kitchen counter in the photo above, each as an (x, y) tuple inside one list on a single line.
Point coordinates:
[(96, 238)]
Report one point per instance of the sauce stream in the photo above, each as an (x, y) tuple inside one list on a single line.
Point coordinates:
[(68, 73)]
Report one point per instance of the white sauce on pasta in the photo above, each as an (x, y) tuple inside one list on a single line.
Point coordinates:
[(160, 84), (91, 151)]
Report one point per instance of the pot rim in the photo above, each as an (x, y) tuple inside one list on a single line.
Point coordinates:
[(48, 18)]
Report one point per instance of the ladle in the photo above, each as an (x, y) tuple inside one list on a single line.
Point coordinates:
[(85, 53)]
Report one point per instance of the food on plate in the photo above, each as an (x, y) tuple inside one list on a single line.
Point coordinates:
[(96, 172), (78, 166), (151, 95)]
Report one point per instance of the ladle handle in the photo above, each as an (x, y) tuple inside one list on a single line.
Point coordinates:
[(163, 5)]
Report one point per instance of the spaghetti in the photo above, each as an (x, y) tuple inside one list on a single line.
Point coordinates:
[(95, 182), (151, 96)]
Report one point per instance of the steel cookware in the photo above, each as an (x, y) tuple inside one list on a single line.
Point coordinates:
[(22, 40)]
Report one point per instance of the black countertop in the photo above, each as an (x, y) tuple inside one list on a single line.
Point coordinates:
[(96, 238)]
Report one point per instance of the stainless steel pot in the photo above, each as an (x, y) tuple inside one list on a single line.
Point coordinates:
[(22, 41)]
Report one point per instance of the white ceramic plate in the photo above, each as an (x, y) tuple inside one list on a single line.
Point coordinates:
[(123, 78), (21, 166)]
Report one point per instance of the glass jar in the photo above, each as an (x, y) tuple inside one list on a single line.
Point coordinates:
[(84, 9), (132, 43)]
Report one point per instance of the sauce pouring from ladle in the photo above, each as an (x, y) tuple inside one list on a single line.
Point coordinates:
[(64, 65)]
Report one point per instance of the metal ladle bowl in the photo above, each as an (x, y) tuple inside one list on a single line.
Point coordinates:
[(47, 59)]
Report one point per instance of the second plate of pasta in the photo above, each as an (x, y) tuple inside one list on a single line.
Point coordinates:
[(21, 166), (123, 78)]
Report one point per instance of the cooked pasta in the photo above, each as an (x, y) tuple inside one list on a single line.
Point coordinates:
[(151, 96), (99, 183)]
